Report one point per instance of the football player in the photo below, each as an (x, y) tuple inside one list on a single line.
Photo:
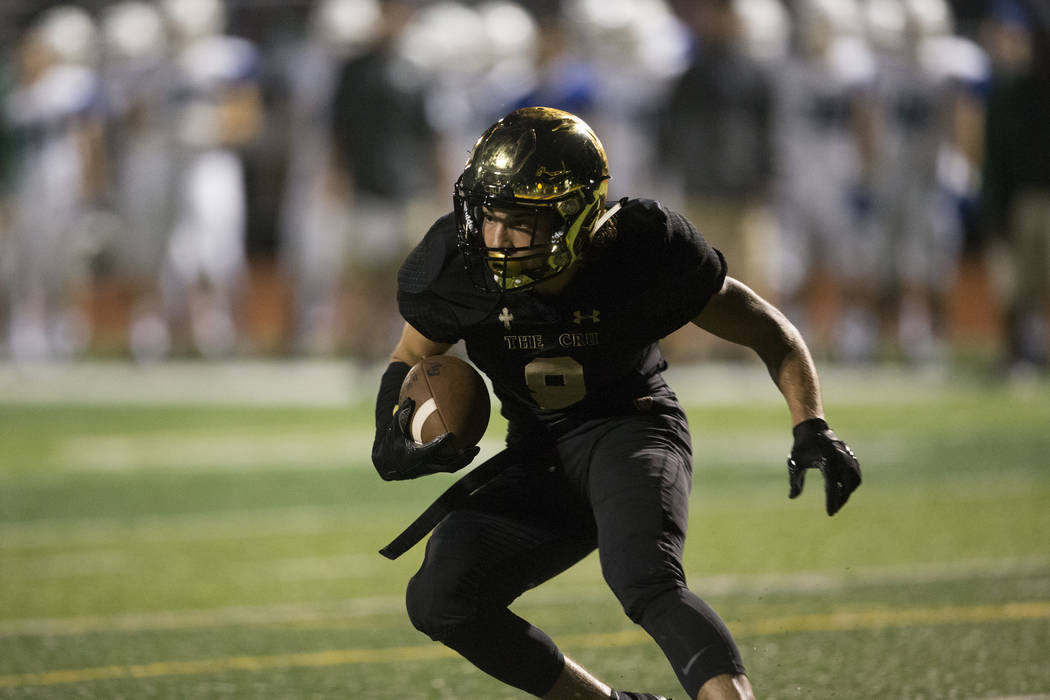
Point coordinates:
[(53, 109), (561, 300)]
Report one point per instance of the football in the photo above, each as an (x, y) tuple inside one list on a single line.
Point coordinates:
[(451, 397)]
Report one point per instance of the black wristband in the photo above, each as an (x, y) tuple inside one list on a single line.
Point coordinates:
[(810, 426), (389, 391)]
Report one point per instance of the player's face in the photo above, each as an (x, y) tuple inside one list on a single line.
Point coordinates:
[(515, 228)]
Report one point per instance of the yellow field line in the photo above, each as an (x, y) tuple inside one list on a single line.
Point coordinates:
[(841, 621), (335, 657)]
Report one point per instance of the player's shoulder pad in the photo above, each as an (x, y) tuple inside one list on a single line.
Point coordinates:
[(641, 209), (434, 254), (674, 269), (648, 225), (435, 294)]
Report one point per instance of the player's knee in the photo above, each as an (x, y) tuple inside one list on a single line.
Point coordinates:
[(637, 602), (421, 606), (432, 609), (637, 587)]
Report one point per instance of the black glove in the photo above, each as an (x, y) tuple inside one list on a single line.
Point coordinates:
[(817, 447), (397, 456)]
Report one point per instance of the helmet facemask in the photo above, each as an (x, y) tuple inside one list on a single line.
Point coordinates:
[(539, 165), (557, 232)]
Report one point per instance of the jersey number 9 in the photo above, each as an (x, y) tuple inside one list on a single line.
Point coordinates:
[(555, 382)]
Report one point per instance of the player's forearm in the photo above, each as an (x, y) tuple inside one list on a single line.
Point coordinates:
[(787, 358), (411, 348), (794, 373), (740, 316)]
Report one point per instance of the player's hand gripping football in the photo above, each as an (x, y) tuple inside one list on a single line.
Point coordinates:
[(817, 447), (397, 457)]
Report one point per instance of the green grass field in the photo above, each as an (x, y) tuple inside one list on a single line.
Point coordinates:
[(222, 545)]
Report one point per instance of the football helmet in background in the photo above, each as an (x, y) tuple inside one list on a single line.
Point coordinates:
[(68, 34), (133, 31), (541, 160), (765, 27), (346, 26), (819, 23), (192, 20)]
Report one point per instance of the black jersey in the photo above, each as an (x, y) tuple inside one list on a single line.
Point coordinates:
[(590, 349)]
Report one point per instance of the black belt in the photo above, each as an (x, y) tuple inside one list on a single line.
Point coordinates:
[(453, 497)]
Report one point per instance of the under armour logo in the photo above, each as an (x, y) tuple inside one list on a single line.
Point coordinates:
[(578, 316), (505, 316)]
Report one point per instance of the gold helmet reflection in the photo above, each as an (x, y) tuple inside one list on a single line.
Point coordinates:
[(539, 159)]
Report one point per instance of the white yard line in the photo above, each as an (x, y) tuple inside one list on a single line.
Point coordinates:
[(230, 451), (263, 522), (264, 382), (74, 564), (339, 382)]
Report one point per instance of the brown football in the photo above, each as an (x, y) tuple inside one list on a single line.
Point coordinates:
[(451, 397)]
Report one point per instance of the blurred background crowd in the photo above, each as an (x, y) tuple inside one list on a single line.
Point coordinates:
[(231, 178)]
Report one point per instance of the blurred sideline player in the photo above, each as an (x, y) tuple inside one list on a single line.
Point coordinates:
[(1015, 183), (55, 111), (385, 149), (926, 134), (716, 132), (218, 112), (825, 151), (561, 300), (635, 49), (315, 209), (139, 82)]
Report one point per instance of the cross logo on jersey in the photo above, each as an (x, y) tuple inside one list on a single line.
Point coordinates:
[(505, 316), (578, 317)]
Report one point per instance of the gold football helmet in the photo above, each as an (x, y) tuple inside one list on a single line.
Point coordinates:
[(541, 160)]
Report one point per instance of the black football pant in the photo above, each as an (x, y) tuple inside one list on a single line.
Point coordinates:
[(620, 484)]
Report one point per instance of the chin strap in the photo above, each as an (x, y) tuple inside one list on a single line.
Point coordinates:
[(604, 219)]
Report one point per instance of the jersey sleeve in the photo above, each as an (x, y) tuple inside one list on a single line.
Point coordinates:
[(434, 294), (673, 270)]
